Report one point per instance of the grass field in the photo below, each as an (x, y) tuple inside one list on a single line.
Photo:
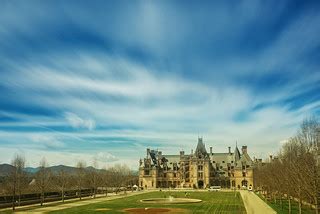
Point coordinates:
[(284, 209), (212, 202)]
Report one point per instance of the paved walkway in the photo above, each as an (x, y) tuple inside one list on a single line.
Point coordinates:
[(67, 205), (254, 204)]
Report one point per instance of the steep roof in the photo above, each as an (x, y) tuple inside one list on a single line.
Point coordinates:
[(201, 148), (236, 154)]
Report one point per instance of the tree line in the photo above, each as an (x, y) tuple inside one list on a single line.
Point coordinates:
[(294, 174), (82, 181)]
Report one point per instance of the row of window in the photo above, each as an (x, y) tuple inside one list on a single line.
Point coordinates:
[(222, 162)]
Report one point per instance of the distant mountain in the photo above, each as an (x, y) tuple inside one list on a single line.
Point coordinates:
[(31, 170), (5, 169), (54, 169), (59, 168)]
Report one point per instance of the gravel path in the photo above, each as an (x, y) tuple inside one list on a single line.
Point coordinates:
[(254, 204)]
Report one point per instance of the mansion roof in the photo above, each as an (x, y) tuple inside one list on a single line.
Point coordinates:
[(218, 159)]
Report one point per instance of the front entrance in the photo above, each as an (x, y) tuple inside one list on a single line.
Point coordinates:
[(200, 184), (244, 183)]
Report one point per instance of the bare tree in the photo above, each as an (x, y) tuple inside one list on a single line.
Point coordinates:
[(62, 181), (105, 179), (81, 171), (296, 172), (17, 177), (119, 175), (309, 137), (42, 179), (94, 178)]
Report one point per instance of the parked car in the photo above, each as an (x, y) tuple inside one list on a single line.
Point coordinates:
[(214, 188)]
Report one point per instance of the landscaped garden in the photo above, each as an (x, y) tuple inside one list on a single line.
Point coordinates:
[(212, 202)]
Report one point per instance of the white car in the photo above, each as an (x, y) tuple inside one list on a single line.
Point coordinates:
[(214, 188)]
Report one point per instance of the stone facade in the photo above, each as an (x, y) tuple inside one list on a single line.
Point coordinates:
[(200, 169)]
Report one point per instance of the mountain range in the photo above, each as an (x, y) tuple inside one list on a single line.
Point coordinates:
[(5, 169)]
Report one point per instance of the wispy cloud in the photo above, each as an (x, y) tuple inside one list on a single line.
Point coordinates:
[(77, 122), (157, 75), (49, 142)]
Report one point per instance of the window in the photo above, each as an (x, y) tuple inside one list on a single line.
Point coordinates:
[(222, 161), (174, 175), (243, 174), (213, 161), (146, 172), (164, 175), (231, 161), (200, 174)]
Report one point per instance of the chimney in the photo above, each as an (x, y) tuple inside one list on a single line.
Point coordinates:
[(244, 149), (229, 149), (210, 150), (181, 153)]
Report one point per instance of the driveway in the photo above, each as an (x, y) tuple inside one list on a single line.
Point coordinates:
[(254, 204)]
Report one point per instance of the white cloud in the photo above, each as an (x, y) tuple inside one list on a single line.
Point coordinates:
[(46, 141), (106, 157), (78, 122), (168, 110)]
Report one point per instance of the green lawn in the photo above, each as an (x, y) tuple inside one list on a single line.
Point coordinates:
[(285, 207), (213, 202)]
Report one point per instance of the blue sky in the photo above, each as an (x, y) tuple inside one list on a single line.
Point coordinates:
[(106, 79)]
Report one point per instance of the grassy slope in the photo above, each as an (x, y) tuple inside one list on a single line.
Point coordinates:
[(213, 202)]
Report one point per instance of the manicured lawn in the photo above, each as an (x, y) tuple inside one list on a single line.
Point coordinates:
[(213, 202), (285, 207)]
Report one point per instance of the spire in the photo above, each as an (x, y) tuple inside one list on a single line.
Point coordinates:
[(201, 148), (236, 153)]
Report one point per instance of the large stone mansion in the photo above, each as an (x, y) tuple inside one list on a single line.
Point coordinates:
[(200, 169)]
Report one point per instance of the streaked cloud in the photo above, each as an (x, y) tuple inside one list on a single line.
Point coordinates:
[(77, 122), (90, 84)]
